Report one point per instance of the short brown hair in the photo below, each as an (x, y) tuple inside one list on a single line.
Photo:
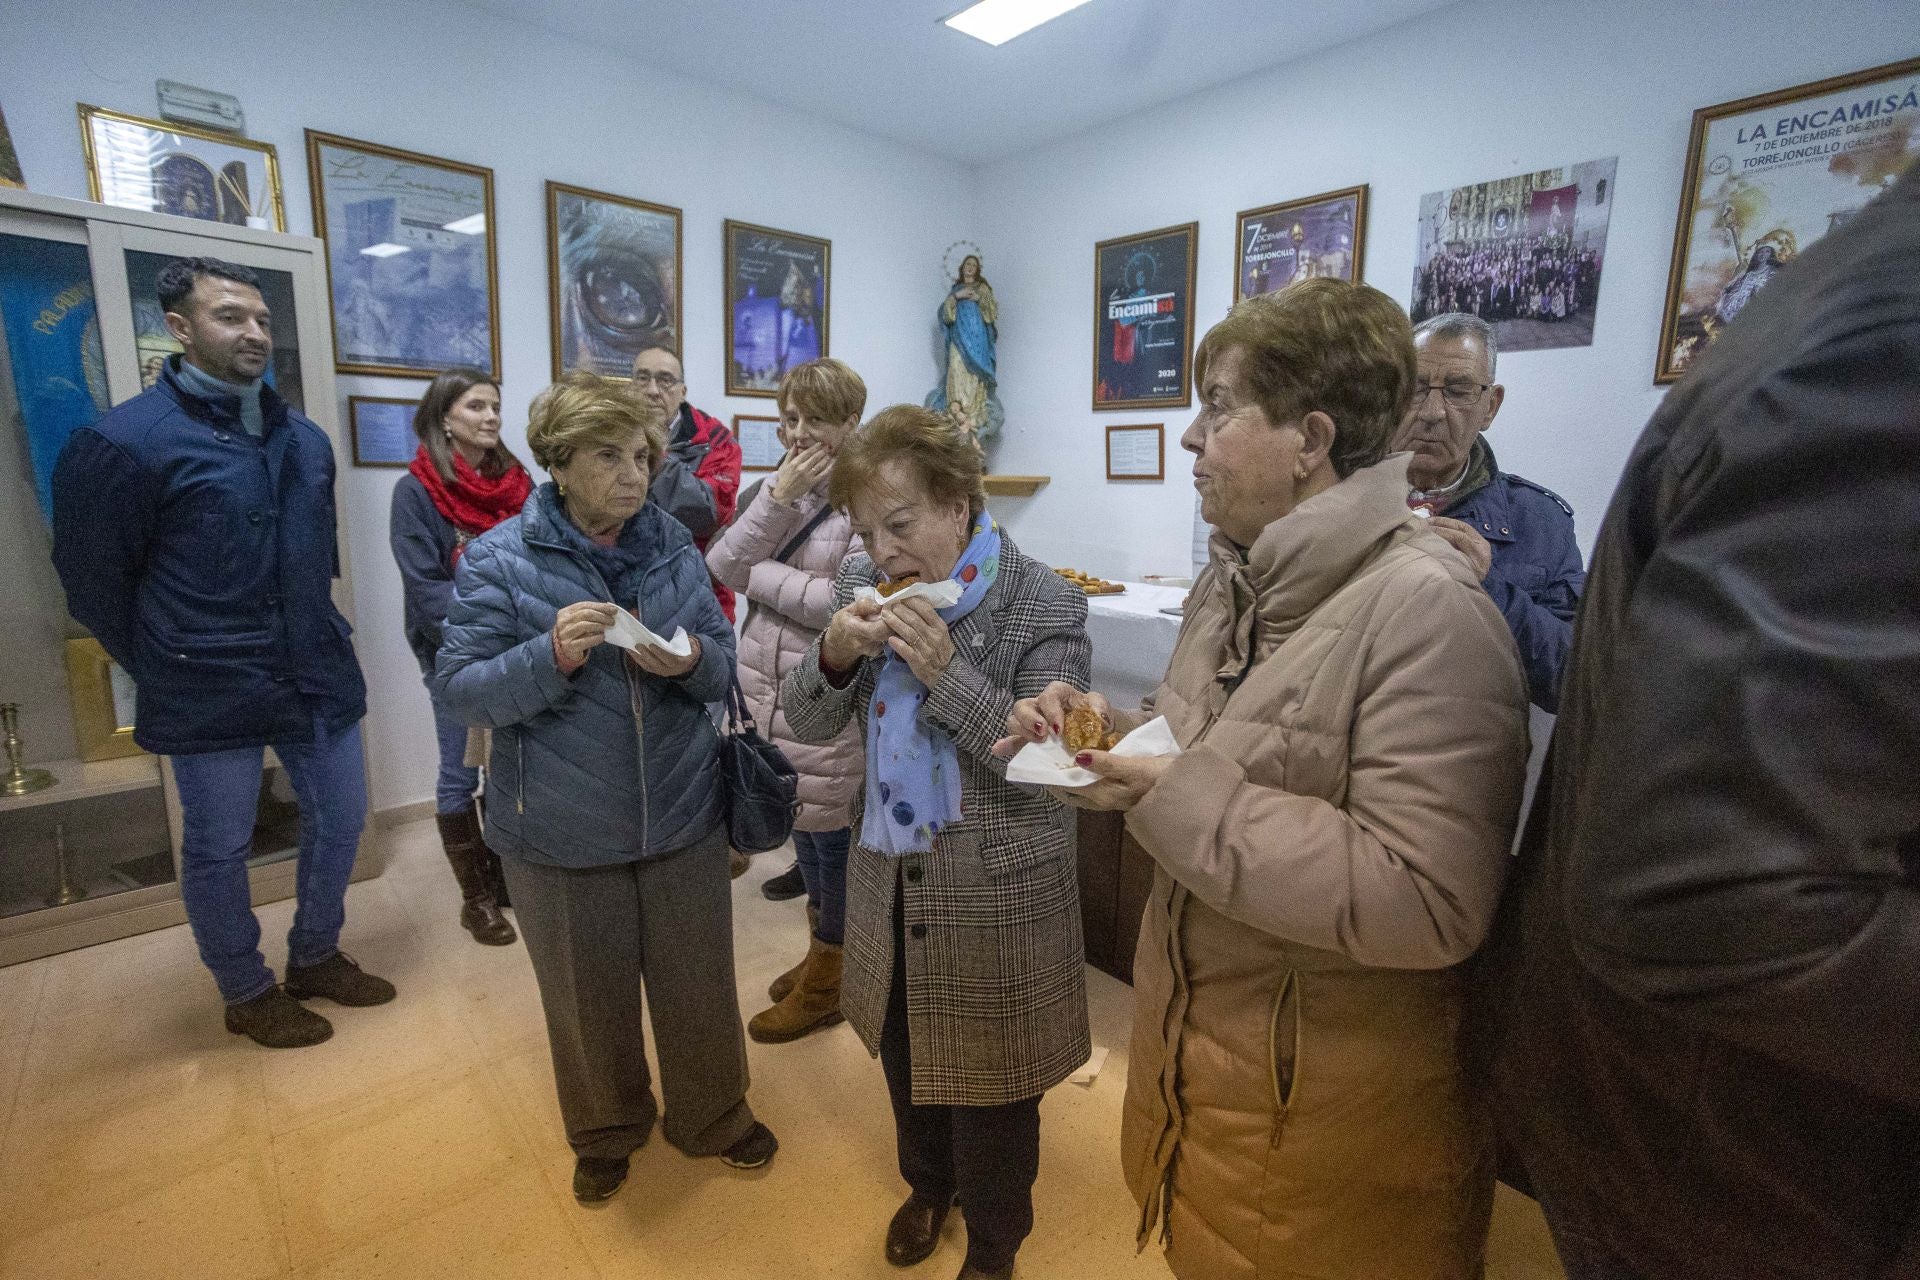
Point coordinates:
[(430, 422), (943, 456), (1343, 349), (583, 411), (824, 388)]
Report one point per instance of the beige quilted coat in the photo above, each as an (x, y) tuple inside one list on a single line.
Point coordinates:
[(1330, 847), (791, 603)]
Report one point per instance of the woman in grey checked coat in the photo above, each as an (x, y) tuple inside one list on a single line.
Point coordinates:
[(964, 968)]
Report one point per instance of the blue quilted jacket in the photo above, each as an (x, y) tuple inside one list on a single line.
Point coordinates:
[(609, 764)]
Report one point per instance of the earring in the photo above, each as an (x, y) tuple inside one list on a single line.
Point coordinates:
[(560, 488)]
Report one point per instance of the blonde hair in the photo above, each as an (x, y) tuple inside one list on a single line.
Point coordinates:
[(1329, 345), (825, 388), (585, 411), (942, 455)]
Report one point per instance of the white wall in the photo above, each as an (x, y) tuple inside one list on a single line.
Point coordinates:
[(449, 81), (1478, 91)]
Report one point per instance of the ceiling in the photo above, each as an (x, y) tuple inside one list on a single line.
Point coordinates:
[(888, 68)]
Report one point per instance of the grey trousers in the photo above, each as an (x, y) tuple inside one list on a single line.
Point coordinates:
[(595, 936)]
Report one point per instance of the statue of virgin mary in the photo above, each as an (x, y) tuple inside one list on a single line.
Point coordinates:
[(969, 319)]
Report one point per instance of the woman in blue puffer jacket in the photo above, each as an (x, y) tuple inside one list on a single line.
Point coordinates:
[(606, 805)]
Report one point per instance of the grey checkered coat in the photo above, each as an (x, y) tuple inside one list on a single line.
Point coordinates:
[(996, 981)]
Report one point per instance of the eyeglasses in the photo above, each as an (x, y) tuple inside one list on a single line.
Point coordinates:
[(664, 381), (1460, 395)]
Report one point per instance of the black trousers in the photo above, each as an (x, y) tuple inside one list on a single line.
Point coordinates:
[(986, 1156)]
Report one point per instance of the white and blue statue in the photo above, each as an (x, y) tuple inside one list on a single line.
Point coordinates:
[(969, 319)]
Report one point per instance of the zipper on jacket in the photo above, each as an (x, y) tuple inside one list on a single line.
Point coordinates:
[(520, 754), (1289, 986)]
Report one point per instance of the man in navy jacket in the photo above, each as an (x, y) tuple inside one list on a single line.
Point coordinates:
[(194, 533), (1516, 534)]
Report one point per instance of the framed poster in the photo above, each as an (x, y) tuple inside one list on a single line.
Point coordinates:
[(1323, 235), (411, 269), (613, 279), (1143, 319), (1766, 177), (777, 305), (1522, 253), (165, 167), (1137, 453), (103, 697), (10, 175), (760, 447), (382, 431)]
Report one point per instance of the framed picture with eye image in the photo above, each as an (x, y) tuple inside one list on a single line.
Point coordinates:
[(382, 431), (1143, 319), (163, 166), (777, 305), (1283, 244), (759, 437), (613, 279)]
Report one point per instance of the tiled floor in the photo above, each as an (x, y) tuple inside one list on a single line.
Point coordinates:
[(138, 1139)]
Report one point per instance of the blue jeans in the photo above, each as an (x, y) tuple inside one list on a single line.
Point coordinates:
[(219, 804), (453, 789), (823, 869)]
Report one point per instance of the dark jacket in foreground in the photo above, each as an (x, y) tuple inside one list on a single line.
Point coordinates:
[(203, 559), (996, 977), (1536, 578), (1707, 990), (609, 764)]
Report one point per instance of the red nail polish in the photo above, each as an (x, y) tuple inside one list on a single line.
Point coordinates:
[(1056, 728), (1083, 759)]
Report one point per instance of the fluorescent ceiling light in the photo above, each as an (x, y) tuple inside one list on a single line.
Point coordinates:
[(998, 21), (385, 249), (474, 224)]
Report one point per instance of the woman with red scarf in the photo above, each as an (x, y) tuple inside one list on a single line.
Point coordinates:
[(463, 482)]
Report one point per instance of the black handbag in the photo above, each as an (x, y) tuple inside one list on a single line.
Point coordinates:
[(762, 789)]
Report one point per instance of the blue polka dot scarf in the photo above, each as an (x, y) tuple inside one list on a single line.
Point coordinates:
[(913, 768)]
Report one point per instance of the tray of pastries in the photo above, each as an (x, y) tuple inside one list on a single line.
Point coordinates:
[(1091, 585)]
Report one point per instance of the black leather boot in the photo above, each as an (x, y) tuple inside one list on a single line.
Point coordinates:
[(467, 854)]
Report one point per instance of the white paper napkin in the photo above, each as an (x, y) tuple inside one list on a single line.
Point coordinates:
[(941, 595), (628, 632), (1050, 764)]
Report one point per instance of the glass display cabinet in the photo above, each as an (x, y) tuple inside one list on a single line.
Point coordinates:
[(89, 823)]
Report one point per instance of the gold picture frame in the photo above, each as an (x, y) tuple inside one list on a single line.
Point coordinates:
[(788, 324), (184, 171), (1317, 219), (102, 706), (1764, 155), (1144, 282), (597, 243)]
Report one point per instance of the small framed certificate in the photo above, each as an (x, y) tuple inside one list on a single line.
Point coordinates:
[(760, 447), (1137, 453), (382, 431)]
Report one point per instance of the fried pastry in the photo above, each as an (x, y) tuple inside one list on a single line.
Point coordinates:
[(1084, 730), (896, 584)]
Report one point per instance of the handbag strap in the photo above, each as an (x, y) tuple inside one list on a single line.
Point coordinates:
[(806, 531)]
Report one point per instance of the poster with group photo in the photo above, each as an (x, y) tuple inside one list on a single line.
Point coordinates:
[(1143, 320), (1522, 253), (1766, 177)]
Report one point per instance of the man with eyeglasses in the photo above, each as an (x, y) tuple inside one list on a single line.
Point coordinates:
[(1517, 535), (698, 480)]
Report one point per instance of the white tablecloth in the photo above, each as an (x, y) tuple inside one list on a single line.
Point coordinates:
[(1132, 640)]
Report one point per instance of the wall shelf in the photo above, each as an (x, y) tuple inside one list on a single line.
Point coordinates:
[(1014, 486), (77, 780)]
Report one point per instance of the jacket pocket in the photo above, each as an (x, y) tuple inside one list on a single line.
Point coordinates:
[(1283, 1049), (1017, 855)]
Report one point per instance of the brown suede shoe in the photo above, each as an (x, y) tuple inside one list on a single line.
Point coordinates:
[(778, 988), (278, 1021), (914, 1232), (813, 1003)]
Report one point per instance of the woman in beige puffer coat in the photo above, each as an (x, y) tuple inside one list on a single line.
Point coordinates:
[(1332, 840), (790, 601)]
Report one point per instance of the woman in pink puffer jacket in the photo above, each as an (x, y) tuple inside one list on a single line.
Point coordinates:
[(790, 602)]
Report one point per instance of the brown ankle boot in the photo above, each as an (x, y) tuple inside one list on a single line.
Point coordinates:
[(467, 854), (778, 988), (814, 1001)]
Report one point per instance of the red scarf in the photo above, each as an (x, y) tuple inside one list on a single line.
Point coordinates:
[(472, 503)]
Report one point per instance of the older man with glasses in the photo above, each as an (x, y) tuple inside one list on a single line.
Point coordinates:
[(1517, 535), (698, 481)]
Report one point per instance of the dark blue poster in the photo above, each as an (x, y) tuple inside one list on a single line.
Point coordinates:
[(53, 341), (1143, 320), (777, 313)]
